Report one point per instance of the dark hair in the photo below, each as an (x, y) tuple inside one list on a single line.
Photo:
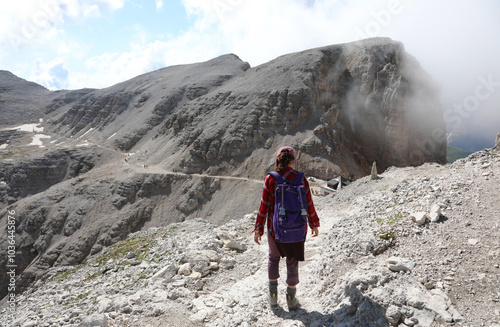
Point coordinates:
[(283, 160)]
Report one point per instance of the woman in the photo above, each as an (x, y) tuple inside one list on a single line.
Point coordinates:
[(294, 252)]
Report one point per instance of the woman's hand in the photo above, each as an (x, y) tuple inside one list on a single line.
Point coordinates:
[(314, 232), (257, 237)]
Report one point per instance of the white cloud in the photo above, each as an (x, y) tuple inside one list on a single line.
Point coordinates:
[(159, 4), (52, 75), (36, 20), (112, 68)]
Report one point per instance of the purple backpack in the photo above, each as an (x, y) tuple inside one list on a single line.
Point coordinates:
[(290, 209)]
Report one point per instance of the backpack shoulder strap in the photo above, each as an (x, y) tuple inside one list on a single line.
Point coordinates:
[(277, 177), (298, 178)]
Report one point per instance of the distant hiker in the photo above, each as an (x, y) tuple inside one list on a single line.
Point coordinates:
[(294, 251)]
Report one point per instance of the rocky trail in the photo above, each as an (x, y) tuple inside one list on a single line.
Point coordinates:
[(415, 247), (154, 169)]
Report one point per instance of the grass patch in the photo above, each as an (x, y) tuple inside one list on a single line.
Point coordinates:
[(92, 276), (173, 229), (8, 154), (78, 298), (387, 225), (387, 235), (453, 153), (138, 246), (63, 274)]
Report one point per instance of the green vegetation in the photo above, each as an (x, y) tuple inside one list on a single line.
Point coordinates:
[(141, 247), (64, 274), (94, 275), (138, 246), (387, 235), (387, 224), (79, 297), (8, 154), (453, 153), (173, 228)]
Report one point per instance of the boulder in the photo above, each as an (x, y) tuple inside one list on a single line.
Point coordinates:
[(399, 264), (435, 213), (420, 217), (96, 320)]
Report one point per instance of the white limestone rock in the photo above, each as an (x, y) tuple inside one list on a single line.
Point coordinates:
[(400, 264), (420, 217), (97, 320), (237, 246), (184, 270), (435, 213)]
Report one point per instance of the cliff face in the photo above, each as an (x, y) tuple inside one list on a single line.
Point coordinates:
[(208, 133), (36, 175)]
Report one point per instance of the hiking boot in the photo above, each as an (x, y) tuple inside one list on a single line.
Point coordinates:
[(273, 294), (291, 299), (273, 299), (292, 302)]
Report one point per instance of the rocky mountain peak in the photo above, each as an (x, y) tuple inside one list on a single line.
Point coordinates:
[(21, 101), (9, 82), (364, 101)]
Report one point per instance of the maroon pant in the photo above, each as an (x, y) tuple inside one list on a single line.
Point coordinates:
[(273, 266)]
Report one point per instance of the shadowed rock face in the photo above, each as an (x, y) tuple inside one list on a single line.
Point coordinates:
[(341, 107), (35, 175)]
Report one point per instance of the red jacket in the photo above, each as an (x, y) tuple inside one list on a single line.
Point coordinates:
[(266, 209)]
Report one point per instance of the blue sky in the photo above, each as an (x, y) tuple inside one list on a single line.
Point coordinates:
[(71, 44)]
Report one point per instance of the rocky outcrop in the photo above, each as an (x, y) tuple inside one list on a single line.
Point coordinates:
[(342, 107), (34, 175)]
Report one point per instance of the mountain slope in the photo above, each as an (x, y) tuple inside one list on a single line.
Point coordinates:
[(437, 273), (21, 101), (454, 153), (362, 102)]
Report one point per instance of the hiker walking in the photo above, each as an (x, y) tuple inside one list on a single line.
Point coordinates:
[(285, 178)]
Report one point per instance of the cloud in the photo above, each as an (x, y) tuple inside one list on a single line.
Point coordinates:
[(112, 68), (159, 4), (52, 75), (36, 21)]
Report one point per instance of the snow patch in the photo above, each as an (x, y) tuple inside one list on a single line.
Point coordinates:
[(37, 139), (36, 128), (90, 130)]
